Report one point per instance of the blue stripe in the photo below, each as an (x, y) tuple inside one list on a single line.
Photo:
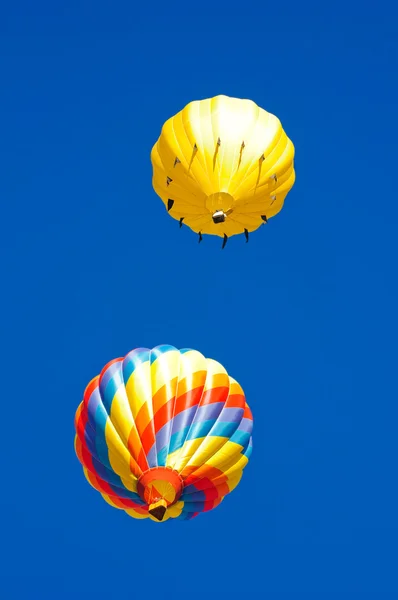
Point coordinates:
[(198, 496), (190, 489), (195, 415), (199, 430), (232, 415), (134, 359), (246, 425), (89, 439), (162, 442), (162, 456), (177, 439), (93, 402), (194, 506), (109, 476), (159, 350), (185, 516), (152, 457), (241, 437), (222, 429), (249, 449), (101, 446), (126, 494), (108, 390), (108, 374)]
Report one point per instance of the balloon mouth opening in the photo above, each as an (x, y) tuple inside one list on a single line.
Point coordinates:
[(158, 510), (219, 216), (220, 205), (159, 488)]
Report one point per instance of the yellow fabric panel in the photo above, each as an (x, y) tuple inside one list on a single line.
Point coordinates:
[(109, 501), (118, 454), (235, 387), (227, 459), (121, 415), (208, 448), (217, 376), (224, 456), (192, 362), (164, 374), (179, 458), (138, 388), (87, 476), (237, 464), (130, 482), (175, 510), (234, 481), (135, 514)]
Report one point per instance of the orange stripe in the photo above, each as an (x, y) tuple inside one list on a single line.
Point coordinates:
[(217, 380), (78, 414), (79, 452), (162, 395), (136, 468), (126, 504), (134, 445), (195, 380), (206, 471), (145, 428)]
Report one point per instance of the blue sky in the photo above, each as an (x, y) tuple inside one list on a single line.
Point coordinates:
[(93, 267)]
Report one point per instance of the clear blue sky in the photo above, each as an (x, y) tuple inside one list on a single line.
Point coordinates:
[(93, 267)]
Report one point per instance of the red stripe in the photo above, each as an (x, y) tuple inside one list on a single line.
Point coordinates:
[(161, 397), (141, 458), (125, 503), (104, 488), (247, 414), (81, 423), (203, 472), (211, 504), (188, 399), (147, 435), (216, 394), (163, 415), (174, 406), (236, 401)]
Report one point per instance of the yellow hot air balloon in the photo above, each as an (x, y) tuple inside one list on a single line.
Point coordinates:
[(223, 166)]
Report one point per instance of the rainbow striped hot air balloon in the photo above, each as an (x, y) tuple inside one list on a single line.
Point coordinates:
[(163, 433)]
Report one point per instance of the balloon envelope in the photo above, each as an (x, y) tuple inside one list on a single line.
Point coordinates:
[(223, 166), (163, 433)]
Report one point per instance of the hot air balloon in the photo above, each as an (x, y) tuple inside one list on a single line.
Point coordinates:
[(163, 433), (223, 166)]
